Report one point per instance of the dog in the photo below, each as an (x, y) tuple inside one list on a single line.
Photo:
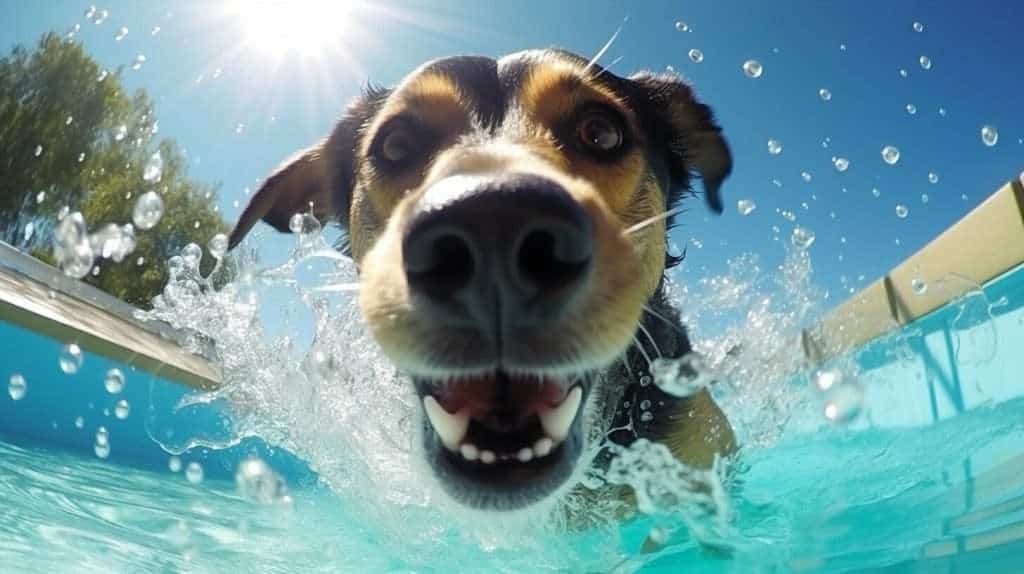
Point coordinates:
[(509, 219)]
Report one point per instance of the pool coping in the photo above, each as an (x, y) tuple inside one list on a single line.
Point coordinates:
[(958, 260), (41, 298)]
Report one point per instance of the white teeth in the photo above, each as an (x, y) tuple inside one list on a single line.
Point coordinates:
[(525, 454), (556, 421), (487, 457), (469, 451), (450, 428), (543, 446)]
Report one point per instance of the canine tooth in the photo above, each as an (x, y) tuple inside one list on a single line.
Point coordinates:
[(487, 457), (469, 451), (543, 447), (556, 421), (450, 428), (525, 454)]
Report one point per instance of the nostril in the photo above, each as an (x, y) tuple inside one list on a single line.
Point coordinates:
[(550, 259), (443, 266)]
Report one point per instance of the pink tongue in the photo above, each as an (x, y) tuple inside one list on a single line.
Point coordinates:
[(481, 395)]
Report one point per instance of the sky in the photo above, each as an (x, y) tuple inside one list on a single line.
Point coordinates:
[(241, 85)]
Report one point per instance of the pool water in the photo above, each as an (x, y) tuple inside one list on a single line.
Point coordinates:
[(905, 500)]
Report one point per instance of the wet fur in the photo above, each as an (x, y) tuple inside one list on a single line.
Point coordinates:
[(487, 116)]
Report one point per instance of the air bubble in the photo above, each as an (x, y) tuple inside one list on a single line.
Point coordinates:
[(121, 34), (826, 379), (902, 211), (933, 177), (926, 62), (774, 147), (890, 154), (989, 135), (753, 69), (746, 206), (682, 26), (79, 423), (239, 128), (841, 163), (924, 198), (911, 109), (114, 381), (218, 245), (696, 56), (919, 286), (101, 450), (194, 473), (154, 168), (918, 27), (102, 436), (683, 377), (844, 403), (17, 387), (806, 176), (154, 31), (825, 94), (148, 210), (138, 62), (174, 464), (646, 416), (122, 409), (903, 73), (259, 483), (802, 238), (121, 132), (70, 359)]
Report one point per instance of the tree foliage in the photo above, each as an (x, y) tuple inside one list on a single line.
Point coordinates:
[(70, 135)]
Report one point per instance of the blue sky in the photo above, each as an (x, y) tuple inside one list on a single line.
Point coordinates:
[(287, 98)]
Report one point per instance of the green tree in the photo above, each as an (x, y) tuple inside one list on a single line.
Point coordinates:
[(70, 135)]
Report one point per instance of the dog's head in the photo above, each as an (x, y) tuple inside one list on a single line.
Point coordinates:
[(496, 211)]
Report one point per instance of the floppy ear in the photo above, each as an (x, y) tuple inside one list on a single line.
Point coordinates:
[(694, 140), (299, 184), (321, 177)]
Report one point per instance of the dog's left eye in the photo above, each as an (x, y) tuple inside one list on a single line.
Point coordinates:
[(397, 146), (600, 132)]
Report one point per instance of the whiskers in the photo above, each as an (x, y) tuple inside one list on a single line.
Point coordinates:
[(600, 53), (631, 230)]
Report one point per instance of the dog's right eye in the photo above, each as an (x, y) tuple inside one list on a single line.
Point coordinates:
[(399, 144)]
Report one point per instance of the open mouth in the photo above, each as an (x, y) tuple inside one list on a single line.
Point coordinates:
[(500, 440)]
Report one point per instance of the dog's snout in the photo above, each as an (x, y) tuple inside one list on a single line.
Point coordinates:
[(499, 253)]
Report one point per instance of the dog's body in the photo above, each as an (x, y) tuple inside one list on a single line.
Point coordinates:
[(509, 220)]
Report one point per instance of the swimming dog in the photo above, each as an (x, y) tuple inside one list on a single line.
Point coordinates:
[(509, 222)]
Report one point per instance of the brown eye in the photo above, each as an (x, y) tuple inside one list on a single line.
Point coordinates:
[(600, 132), (397, 146)]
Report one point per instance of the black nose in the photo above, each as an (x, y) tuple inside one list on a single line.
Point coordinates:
[(497, 254)]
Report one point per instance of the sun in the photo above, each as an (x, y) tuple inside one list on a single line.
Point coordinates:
[(306, 27)]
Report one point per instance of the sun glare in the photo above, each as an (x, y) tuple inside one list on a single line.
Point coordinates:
[(307, 27)]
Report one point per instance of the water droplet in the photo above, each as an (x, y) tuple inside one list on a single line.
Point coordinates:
[(138, 62), (806, 176), (646, 416), (924, 198), (746, 206), (658, 536), (844, 402), (154, 168), (753, 69), (101, 17), (682, 26), (102, 436), (79, 423), (81, 157), (90, 12), (989, 135), (919, 286), (696, 56), (890, 154), (101, 450), (121, 34), (102, 75), (174, 464), (942, 111), (122, 409), (774, 147), (911, 109), (17, 387), (70, 358), (926, 62), (918, 27), (841, 163), (304, 224), (121, 132), (842, 47), (826, 379), (802, 238), (903, 73), (218, 245), (148, 210), (825, 94), (39, 151), (933, 177), (154, 31), (40, 197), (259, 483), (194, 473), (239, 128), (72, 249), (646, 380), (902, 211), (114, 381)]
